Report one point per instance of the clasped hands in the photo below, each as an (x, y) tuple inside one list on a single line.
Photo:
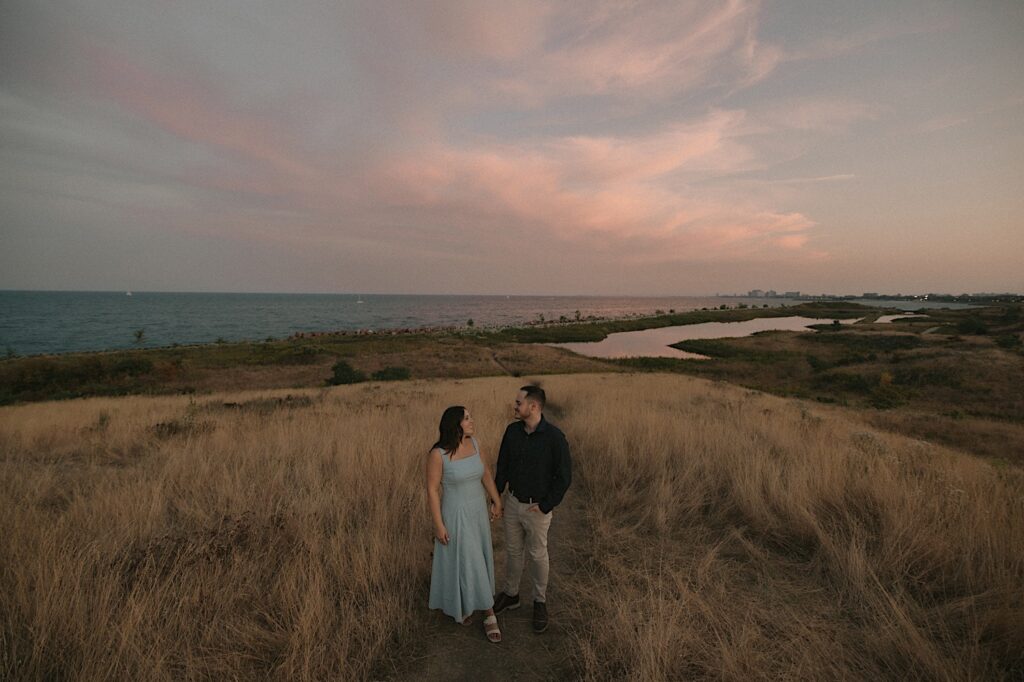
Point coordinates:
[(496, 511)]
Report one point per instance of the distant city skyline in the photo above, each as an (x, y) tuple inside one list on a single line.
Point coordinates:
[(477, 147)]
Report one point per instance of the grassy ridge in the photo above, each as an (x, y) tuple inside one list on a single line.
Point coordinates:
[(952, 376), (961, 389), (728, 534)]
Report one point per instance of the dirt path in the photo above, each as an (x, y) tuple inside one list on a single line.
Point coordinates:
[(454, 652), (500, 364)]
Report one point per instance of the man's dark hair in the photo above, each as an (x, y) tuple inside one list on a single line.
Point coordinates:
[(536, 394)]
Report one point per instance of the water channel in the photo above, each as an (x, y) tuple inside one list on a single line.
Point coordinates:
[(655, 342)]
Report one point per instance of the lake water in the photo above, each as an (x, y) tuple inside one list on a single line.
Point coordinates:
[(33, 322), (883, 319), (654, 343)]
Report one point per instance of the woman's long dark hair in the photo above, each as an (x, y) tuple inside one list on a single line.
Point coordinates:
[(450, 430)]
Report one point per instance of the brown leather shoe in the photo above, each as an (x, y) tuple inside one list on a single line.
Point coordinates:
[(540, 617), (504, 602)]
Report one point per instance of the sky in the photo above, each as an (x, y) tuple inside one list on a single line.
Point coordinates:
[(478, 147)]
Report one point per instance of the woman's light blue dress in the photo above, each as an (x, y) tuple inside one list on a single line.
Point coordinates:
[(462, 580)]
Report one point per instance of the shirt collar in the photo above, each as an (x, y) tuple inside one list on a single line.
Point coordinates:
[(542, 425)]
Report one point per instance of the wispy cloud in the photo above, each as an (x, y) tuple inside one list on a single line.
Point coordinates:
[(821, 178), (628, 195)]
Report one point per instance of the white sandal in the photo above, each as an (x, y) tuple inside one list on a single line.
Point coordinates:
[(491, 629)]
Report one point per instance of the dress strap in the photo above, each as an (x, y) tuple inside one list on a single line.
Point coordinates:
[(476, 446)]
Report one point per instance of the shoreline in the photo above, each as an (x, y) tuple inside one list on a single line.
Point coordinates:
[(945, 375), (561, 322), (98, 322)]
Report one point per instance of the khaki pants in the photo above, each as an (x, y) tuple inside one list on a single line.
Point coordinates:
[(526, 533)]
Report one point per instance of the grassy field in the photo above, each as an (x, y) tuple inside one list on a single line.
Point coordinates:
[(726, 534)]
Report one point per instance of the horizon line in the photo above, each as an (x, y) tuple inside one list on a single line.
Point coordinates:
[(801, 293)]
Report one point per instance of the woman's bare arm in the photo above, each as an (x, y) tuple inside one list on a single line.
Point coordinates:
[(434, 469), (492, 490)]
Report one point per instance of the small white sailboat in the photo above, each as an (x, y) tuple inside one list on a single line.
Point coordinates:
[(127, 293)]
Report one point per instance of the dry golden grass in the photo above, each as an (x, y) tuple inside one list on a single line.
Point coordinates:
[(728, 535), (155, 538), (734, 535)]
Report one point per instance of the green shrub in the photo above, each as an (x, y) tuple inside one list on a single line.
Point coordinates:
[(930, 376), (652, 364), (300, 355), (886, 397), (817, 364), (846, 381), (392, 374), (130, 366), (70, 376), (344, 373), (866, 343), (1008, 341), (972, 325)]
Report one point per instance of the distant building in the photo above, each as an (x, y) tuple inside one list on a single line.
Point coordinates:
[(771, 293), (868, 294), (755, 293), (792, 294)]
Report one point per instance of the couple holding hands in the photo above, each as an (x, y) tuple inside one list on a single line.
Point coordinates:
[(534, 462)]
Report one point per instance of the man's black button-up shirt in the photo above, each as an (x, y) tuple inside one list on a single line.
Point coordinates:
[(534, 465)]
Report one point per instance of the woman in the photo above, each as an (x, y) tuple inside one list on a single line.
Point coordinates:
[(462, 580)]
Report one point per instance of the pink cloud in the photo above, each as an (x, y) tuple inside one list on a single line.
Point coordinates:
[(613, 194), (819, 114), (627, 198), (490, 29), (647, 49), (186, 107)]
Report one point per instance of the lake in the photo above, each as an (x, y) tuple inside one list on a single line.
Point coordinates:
[(654, 343)]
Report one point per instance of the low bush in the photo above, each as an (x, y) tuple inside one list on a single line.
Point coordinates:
[(972, 325), (652, 364), (344, 373), (885, 397), (931, 376), (71, 376), (820, 365), (846, 381), (301, 355), (392, 374), (867, 342), (817, 364), (1009, 341)]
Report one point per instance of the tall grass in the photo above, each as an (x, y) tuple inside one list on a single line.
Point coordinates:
[(735, 536), (154, 538), (726, 534)]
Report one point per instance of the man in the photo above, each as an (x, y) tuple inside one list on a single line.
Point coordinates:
[(534, 462)]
